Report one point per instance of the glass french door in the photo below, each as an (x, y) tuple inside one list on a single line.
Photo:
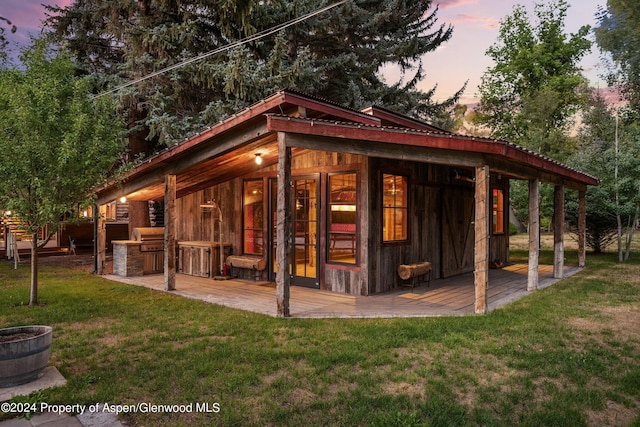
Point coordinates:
[(304, 251)]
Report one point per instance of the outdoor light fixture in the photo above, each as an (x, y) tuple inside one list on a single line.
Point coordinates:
[(258, 159), (123, 199)]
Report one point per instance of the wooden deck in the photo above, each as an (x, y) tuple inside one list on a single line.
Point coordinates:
[(453, 296)]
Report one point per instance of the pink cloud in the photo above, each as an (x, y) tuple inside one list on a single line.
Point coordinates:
[(27, 16), (483, 20), (445, 4)]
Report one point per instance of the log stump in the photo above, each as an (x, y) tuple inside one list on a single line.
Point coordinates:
[(413, 272)]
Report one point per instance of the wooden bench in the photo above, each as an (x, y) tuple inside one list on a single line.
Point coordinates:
[(414, 271), (247, 262)]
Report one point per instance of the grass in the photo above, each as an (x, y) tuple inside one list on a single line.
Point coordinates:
[(565, 355)]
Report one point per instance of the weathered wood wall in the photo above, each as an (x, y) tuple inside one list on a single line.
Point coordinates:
[(441, 203), (499, 243), (195, 223), (425, 233)]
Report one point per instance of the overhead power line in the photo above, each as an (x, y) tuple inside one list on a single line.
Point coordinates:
[(238, 43)]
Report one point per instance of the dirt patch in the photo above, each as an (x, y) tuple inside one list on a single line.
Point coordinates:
[(19, 336), (411, 390), (615, 414), (623, 321), (82, 262), (302, 396)]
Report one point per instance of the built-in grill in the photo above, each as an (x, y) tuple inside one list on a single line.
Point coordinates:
[(151, 238), (142, 254)]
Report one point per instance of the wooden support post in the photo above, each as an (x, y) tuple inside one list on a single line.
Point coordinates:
[(170, 233), (101, 238), (481, 251), (558, 232), (534, 233), (582, 228), (283, 227)]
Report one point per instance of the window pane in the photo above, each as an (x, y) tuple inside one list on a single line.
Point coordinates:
[(395, 205), (401, 224), (252, 215), (342, 218), (498, 210)]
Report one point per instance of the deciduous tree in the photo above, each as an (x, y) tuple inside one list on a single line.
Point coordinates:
[(617, 34), (57, 143), (3, 40), (609, 148), (535, 86)]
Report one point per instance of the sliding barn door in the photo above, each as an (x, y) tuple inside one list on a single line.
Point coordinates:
[(457, 231)]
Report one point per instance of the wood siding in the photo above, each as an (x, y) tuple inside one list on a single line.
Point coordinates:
[(441, 205), (440, 228), (195, 223), (457, 231)]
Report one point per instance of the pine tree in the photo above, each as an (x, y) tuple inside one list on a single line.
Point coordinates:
[(337, 55)]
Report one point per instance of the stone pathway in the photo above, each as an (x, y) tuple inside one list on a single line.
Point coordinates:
[(53, 378)]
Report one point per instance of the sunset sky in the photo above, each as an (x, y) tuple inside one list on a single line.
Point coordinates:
[(475, 25)]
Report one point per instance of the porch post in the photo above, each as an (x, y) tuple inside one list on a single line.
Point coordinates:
[(100, 217), (283, 227), (534, 233), (558, 231), (481, 251), (170, 233), (582, 228)]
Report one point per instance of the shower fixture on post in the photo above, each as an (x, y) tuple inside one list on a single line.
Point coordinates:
[(212, 204)]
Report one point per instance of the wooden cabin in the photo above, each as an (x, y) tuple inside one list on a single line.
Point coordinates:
[(340, 198)]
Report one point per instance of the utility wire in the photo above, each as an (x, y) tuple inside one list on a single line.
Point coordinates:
[(238, 43)]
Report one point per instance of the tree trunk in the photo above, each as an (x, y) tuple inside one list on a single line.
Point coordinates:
[(615, 177), (33, 298), (513, 219), (630, 230), (619, 220)]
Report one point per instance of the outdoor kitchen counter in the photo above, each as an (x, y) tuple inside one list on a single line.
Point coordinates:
[(127, 258), (200, 257)]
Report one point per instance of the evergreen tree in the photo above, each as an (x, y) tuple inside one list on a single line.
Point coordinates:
[(336, 55)]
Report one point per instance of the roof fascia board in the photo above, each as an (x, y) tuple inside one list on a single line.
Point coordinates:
[(383, 150)]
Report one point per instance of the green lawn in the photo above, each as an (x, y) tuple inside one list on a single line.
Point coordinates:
[(566, 355)]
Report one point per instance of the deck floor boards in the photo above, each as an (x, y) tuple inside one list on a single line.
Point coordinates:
[(453, 296)]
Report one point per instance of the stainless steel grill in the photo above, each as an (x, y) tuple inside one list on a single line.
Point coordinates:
[(151, 238)]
